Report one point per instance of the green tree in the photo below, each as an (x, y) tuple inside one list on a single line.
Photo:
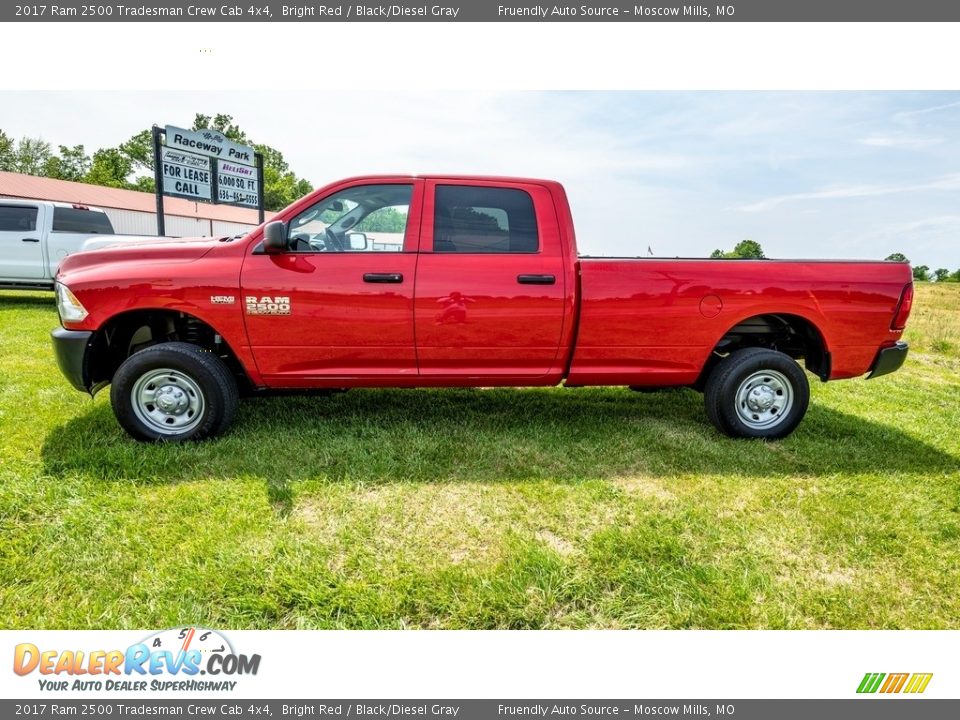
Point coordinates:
[(941, 274), (388, 220), (145, 183), (30, 156), (6, 152), (954, 276), (921, 272), (743, 249), (139, 151), (222, 123), (110, 167), (896, 257), (71, 163)]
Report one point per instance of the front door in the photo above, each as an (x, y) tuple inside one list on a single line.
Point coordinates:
[(21, 249), (339, 303), (490, 283)]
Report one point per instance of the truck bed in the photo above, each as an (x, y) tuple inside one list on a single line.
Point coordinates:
[(655, 321)]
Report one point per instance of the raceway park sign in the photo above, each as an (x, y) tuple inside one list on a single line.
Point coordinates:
[(210, 143), (204, 165)]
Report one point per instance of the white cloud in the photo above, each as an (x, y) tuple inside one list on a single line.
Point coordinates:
[(901, 141), (945, 182), (908, 114)]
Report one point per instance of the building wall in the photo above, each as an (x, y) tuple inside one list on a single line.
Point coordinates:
[(186, 227), (134, 222), (229, 229)]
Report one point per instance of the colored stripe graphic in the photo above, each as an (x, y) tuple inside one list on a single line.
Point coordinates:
[(870, 682), (918, 683), (894, 682)]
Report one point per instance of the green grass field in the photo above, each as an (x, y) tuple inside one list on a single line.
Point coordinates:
[(544, 508)]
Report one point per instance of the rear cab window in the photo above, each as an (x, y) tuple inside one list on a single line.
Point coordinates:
[(474, 219), (81, 220), (18, 218)]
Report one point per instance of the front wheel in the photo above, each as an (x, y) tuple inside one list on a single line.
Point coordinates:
[(173, 392), (757, 393)]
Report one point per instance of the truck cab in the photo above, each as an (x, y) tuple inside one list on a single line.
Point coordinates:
[(35, 236), (477, 275)]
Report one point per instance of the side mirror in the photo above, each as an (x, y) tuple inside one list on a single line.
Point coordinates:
[(275, 237), (358, 240)]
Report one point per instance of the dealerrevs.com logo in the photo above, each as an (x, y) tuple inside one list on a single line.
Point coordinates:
[(185, 658)]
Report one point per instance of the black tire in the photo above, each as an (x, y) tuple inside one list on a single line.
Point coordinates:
[(195, 393), (740, 385)]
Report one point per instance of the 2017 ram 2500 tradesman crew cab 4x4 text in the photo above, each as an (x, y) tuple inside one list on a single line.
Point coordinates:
[(458, 281)]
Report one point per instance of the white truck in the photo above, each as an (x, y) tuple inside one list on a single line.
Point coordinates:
[(36, 235)]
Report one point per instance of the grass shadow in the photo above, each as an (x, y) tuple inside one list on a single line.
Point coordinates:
[(376, 436), (27, 300)]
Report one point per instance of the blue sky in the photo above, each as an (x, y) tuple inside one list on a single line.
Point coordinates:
[(807, 174)]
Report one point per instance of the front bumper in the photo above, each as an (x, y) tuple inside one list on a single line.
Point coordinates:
[(888, 360), (70, 347)]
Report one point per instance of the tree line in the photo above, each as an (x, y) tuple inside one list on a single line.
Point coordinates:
[(923, 272), (130, 165), (752, 249)]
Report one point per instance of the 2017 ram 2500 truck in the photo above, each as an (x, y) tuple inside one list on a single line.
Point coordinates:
[(458, 281)]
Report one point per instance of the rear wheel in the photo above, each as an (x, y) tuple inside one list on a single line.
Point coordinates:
[(174, 392), (757, 393)]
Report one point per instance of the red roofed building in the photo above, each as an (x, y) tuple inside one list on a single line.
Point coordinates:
[(133, 212)]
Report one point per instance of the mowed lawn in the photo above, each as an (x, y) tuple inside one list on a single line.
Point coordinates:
[(545, 508)]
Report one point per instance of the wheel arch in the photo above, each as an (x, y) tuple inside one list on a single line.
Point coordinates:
[(792, 333), (126, 332)]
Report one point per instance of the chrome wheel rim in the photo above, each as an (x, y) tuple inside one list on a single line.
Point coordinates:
[(167, 401), (764, 399)]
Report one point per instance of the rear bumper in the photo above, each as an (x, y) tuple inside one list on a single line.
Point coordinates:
[(70, 348), (888, 360)]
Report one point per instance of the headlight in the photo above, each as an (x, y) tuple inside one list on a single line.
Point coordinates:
[(68, 306)]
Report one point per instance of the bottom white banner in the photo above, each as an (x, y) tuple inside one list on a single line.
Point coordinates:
[(193, 661)]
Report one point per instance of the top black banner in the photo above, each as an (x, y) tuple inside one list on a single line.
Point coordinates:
[(488, 11)]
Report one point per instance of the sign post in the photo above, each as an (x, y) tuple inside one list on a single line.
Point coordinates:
[(204, 166), (158, 180), (260, 184)]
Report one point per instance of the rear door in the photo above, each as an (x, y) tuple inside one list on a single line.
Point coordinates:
[(72, 226), (339, 304), (490, 296), (21, 246)]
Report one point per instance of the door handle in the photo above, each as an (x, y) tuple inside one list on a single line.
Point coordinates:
[(31, 240), (536, 279), (383, 277)]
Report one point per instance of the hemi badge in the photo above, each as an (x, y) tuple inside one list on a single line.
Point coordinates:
[(223, 299)]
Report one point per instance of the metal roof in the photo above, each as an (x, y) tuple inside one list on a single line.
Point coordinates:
[(31, 187)]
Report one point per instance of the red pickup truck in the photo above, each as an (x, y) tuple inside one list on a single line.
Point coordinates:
[(397, 281)]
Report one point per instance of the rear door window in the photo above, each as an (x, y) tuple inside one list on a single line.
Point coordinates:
[(78, 220), (18, 218), (470, 219)]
